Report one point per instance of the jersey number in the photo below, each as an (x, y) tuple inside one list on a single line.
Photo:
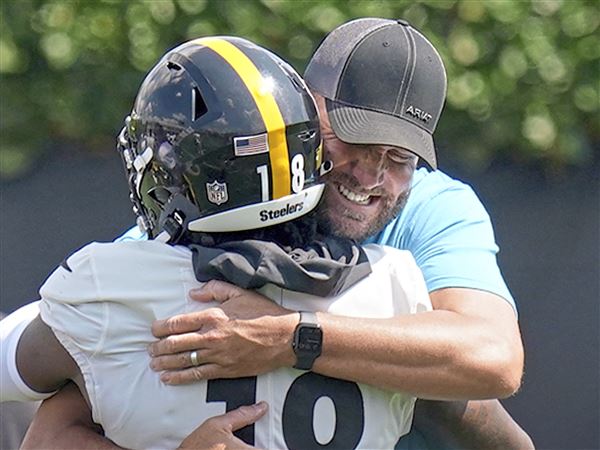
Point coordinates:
[(299, 407)]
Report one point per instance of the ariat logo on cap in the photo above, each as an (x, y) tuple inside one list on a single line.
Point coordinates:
[(418, 113), (273, 214)]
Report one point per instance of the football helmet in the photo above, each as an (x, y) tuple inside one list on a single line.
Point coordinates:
[(223, 136)]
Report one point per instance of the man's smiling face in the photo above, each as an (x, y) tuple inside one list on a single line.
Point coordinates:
[(368, 186)]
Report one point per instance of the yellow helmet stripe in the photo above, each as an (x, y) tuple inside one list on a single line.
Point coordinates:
[(260, 91)]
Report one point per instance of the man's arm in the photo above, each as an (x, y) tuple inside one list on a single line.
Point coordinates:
[(64, 421), (469, 347), (474, 424), (33, 363), (42, 361)]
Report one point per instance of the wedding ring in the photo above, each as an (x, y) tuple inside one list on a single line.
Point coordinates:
[(194, 358)]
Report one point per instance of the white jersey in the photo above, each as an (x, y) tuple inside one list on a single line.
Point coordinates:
[(102, 302)]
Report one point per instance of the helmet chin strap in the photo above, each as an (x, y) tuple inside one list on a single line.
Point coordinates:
[(174, 219)]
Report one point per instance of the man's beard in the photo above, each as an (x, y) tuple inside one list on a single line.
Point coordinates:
[(352, 224)]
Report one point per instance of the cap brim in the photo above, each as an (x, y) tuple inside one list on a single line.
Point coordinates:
[(363, 126)]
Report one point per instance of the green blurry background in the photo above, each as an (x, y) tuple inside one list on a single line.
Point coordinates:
[(523, 75)]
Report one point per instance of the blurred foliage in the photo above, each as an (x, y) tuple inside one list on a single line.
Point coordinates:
[(523, 75)]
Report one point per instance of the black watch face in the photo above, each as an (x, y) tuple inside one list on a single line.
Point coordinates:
[(309, 339)]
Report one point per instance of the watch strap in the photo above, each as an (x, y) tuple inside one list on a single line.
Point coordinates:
[(308, 318)]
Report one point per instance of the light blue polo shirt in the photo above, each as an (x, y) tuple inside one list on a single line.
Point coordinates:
[(449, 232)]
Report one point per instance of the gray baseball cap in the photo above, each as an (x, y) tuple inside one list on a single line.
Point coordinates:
[(384, 84)]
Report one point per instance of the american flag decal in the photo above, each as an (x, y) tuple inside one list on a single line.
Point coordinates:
[(251, 145)]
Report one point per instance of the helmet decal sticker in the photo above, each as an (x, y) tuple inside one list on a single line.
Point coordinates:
[(268, 214), (251, 145), (217, 192)]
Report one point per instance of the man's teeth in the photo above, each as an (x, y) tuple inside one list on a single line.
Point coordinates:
[(361, 199)]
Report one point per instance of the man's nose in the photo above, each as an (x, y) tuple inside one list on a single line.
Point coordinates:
[(369, 169)]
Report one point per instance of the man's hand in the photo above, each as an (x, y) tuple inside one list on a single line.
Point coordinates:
[(246, 334), (216, 433), (469, 347)]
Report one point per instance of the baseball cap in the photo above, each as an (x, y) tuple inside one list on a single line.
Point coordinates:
[(384, 84)]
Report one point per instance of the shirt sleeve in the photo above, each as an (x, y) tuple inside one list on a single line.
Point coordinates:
[(69, 304), (452, 240), (12, 386)]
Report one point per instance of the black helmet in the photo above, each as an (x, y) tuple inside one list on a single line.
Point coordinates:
[(223, 136)]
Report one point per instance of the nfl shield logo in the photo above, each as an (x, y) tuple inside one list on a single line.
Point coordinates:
[(217, 192)]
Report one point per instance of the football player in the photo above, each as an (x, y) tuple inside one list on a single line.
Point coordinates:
[(223, 158)]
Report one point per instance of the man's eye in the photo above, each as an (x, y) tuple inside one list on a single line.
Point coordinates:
[(399, 158)]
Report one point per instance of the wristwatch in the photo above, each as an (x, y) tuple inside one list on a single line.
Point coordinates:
[(308, 340)]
